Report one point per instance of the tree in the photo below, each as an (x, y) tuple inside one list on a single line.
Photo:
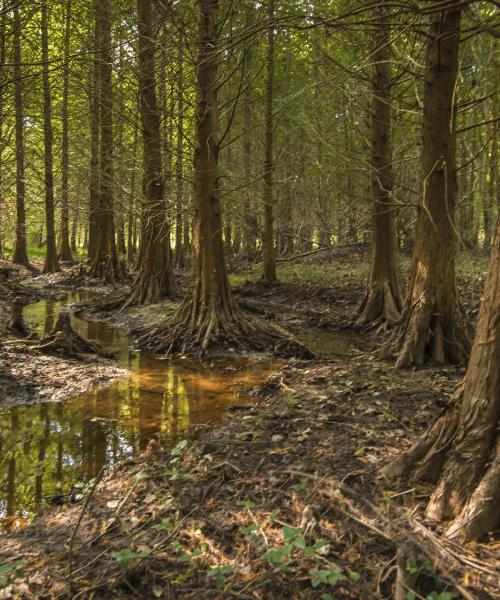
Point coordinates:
[(19, 255), (433, 324), (65, 254), (51, 261), (105, 263), (460, 453), (154, 279), (208, 316), (268, 236), (383, 299)]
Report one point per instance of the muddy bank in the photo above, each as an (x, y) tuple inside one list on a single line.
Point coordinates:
[(35, 377)]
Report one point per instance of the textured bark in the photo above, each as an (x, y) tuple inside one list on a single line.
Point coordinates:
[(154, 279), (461, 451), (65, 248), (268, 235), (434, 326), (180, 259), (94, 143), (383, 299), (2, 141), (19, 254), (51, 260), (105, 263)]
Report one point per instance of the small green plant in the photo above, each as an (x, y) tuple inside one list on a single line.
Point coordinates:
[(329, 576), (174, 471), (220, 574), (11, 571), (126, 556)]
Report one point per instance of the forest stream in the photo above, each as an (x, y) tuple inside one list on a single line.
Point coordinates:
[(51, 450)]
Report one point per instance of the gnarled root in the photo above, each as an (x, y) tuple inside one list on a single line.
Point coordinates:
[(218, 330), (427, 335), (467, 481), (380, 305), (65, 340)]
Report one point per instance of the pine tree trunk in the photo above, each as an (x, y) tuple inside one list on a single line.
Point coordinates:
[(51, 260), (383, 299), (180, 260), (269, 274), (2, 141), (94, 141), (65, 249), (460, 453), (154, 279), (434, 326), (105, 263), (19, 254)]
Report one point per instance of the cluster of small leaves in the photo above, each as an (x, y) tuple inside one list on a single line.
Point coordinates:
[(416, 568), (11, 571), (174, 471)]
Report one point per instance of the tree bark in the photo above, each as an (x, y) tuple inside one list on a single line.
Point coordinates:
[(51, 260), (65, 248), (105, 263), (434, 326), (19, 255), (269, 274), (383, 299), (460, 453), (154, 279), (94, 142), (2, 141), (180, 259)]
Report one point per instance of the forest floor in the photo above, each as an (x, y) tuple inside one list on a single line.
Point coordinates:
[(283, 499)]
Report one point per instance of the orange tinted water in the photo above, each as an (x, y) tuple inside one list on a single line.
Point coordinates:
[(46, 448)]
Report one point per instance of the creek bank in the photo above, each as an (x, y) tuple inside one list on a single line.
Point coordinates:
[(283, 500)]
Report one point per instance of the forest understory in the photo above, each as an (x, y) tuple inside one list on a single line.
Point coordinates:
[(284, 499)]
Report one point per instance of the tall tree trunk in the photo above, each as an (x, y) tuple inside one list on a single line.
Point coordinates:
[(249, 220), (131, 202), (94, 141), (65, 250), (19, 254), (268, 237), (154, 279), (434, 326), (3, 21), (180, 260), (383, 299), (105, 263), (51, 260), (460, 453)]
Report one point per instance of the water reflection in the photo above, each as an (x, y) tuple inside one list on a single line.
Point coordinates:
[(46, 448)]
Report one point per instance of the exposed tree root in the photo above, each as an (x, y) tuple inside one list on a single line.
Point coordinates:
[(218, 330), (16, 322), (464, 463), (426, 334), (381, 304), (65, 340)]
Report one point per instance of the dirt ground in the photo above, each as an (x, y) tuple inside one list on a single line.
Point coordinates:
[(284, 499)]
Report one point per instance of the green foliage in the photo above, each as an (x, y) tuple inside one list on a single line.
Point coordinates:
[(126, 556), (11, 571), (220, 574)]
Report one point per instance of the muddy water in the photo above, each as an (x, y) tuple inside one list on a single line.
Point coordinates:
[(46, 448)]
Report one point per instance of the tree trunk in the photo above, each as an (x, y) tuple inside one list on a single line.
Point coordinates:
[(131, 200), (19, 254), (51, 260), (383, 299), (460, 453), (105, 263), (94, 142), (2, 117), (434, 326), (65, 251), (269, 274), (180, 260), (154, 279), (208, 316)]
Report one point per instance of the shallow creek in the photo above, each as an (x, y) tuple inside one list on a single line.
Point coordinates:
[(47, 448)]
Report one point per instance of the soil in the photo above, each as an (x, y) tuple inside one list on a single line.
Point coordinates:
[(282, 500)]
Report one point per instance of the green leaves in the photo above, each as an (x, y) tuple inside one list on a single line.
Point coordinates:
[(326, 576), (126, 556), (11, 571)]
